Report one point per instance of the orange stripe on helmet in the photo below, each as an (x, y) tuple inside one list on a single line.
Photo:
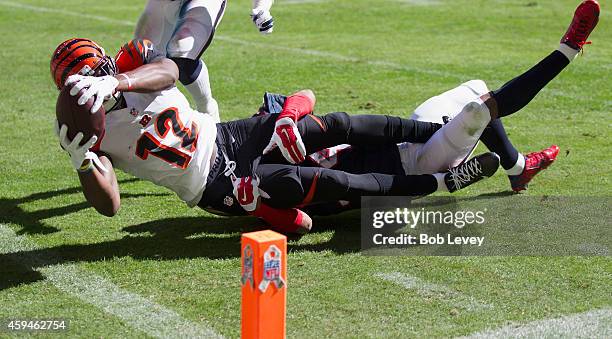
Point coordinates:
[(73, 56)]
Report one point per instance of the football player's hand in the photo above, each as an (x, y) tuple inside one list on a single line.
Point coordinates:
[(100, 87), (246, 190), (287, 137), (263, 20), (80, 156)]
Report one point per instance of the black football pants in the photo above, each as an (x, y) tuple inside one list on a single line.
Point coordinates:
[(288, 185)]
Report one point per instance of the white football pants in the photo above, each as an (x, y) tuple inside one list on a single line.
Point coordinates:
[(454, 142), (183, 28)]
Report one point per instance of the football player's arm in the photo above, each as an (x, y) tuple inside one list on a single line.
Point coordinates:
[(298, 105), (140, 68), (286, 221), (143, 68), (155, 76), (101, 188), (286, 134), (248, 194)]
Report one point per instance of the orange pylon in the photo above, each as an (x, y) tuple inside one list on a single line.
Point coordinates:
[(264, 285)]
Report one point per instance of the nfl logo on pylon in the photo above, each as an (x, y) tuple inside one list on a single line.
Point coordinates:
[(272, 270)]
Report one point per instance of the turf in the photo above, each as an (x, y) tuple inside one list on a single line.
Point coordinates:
[(374, 57)]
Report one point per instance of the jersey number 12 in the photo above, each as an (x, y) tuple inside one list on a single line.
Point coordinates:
[(167, 121)]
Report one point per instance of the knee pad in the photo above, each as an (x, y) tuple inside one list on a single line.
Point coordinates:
[(180, 45), (194, 32), (475, 117), (189, 69)]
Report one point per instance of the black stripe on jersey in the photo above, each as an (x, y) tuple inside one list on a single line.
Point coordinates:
[(127, 48), (74, 63)]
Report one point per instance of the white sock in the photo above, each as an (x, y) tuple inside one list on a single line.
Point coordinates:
[(569, 52), (262, 4), (441, 184), (518, 167), (200, 90)]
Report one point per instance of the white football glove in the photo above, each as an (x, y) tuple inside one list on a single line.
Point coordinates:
[(287, 137), (263, 20), (79, 154), (100, 87), (246, 190)]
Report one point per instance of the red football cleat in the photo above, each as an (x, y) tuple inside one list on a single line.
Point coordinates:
[(534, 163), (585, 20)]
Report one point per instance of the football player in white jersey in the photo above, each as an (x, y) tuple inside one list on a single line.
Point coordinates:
[(469, 112), (184, 29), (454, 144), (152, 133)]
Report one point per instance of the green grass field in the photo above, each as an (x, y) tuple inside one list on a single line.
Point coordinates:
[(60, 259)]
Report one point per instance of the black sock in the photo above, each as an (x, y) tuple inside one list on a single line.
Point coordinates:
[(518, 92), (495, 138)]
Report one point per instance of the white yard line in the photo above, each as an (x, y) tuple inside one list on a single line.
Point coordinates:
[(298, 2), (419, 2), (591, 324), (303, 51), (344, 58), (135, 310), (68, 13), (430, 290)]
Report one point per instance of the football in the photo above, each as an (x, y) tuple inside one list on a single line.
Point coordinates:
[(78, 118)]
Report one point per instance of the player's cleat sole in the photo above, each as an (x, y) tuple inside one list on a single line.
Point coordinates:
[(534, 163), (472, 171), (585, 19)]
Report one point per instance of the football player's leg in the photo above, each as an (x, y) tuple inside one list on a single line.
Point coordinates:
[(518, 92), (494, 135), (448, 104), (454, 142), (157, 21), (292, 186), (358, 160), (496, 139), (319, 132), (288, 186), (194, 32), (519, 168)]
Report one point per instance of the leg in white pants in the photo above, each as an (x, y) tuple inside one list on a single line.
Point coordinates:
[(185, 29), (454, 142), (158, 22)]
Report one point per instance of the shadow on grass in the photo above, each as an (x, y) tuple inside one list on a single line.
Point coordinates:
[(163, 239), (31, 222)]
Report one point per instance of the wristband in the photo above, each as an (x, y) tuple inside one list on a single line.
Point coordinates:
[(128, 80)]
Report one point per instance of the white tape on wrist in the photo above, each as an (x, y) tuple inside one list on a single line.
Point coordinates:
[(128, 80)]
